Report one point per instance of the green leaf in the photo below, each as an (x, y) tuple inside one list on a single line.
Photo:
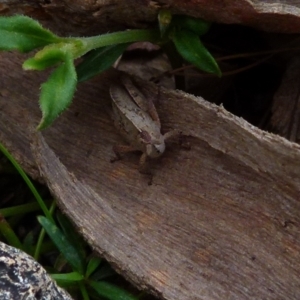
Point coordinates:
[(44, 59), (65, 247), (28, 243), (197, 26), (8, 233), (72, 235), (93, 264), (110, 291), (24, 34), (19, 209), (53, 54), (191, 49), (103, 272), (57, 92), (67, 277), (99, 60), (164, 21)]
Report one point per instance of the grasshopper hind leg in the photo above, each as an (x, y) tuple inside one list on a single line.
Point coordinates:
[(121, 149), (143, 166)]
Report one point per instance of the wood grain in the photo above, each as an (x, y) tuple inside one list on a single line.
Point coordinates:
[(220, 221)]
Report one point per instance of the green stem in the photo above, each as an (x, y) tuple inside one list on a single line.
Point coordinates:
[(129, 36), (28, 182)]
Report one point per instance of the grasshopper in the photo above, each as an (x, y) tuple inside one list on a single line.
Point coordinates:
[(138, 122)]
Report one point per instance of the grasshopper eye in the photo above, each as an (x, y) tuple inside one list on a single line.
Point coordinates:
[(155, 150), (159, 148)]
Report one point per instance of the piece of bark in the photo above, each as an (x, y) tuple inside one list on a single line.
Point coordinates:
[(285, 118), (92, 17), (220, 221)]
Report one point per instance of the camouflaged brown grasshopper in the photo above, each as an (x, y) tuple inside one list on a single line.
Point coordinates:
[(137, 120)]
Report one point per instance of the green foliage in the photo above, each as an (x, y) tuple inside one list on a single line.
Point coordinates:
[(184, 31), (190, 47), (110, 291), (68, 278), (99, 60), (93, 264), (198, 26), (28, 182), (68, 250), (57, 92), (24, 34), (88, 272), (164, 21), (48, 57)]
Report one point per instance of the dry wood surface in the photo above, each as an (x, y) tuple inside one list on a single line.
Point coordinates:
[(220, 221)]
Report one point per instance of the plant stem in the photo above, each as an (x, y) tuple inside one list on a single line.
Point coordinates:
[(129, 36), (28, 182)]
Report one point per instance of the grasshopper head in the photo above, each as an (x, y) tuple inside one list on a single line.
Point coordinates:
[(155, 145), (156, 148)]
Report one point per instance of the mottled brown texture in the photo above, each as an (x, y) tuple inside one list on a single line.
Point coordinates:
[(90, 17), (220, 221)]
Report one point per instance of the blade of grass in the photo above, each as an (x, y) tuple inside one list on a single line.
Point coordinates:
[(72, 235), (20, 209), (28, 182), (70, 252), (93, 264), (110, 291), (42, 236), (9, 234), (83, 290), (68, 277)]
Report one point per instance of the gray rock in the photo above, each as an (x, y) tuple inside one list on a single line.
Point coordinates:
[(21, 277)]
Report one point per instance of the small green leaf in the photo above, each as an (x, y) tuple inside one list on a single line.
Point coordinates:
[(197, 26), (44, 59), (57, 92), (191, 49), (72, 235), (103, 272), (62, 243), (28, 243), (93, 264), (8, 233), (24, 34), (111, 291), (99, 60), (164, 21), (53, 54)]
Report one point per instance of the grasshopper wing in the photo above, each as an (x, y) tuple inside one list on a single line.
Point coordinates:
[(143, 102), (127, 111)]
